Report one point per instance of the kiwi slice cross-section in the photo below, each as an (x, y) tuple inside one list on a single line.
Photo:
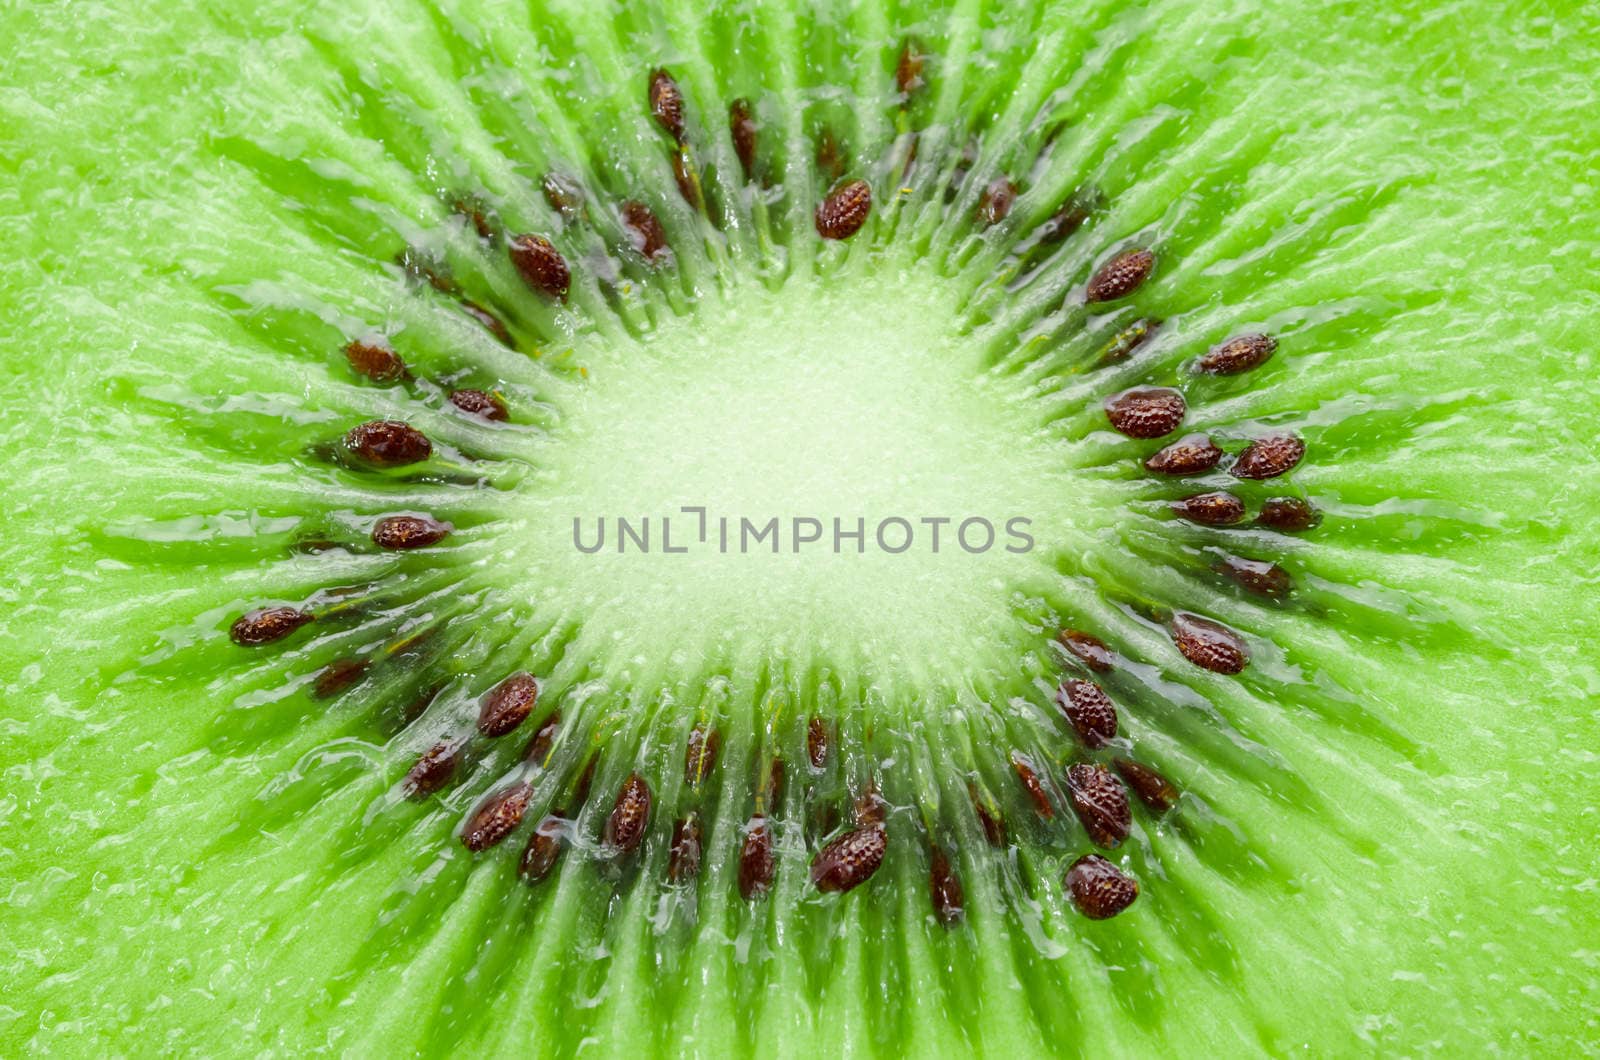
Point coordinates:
[(904, 529)]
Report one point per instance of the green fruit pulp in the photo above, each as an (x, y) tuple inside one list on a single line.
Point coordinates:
[(1387, 841)]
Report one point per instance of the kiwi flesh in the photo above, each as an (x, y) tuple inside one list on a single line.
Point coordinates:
[(322, 734)]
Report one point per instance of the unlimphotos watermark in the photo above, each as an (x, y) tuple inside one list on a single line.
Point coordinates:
[(727, 534)]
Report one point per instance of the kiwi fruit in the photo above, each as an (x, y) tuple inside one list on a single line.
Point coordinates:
[(874, 528)]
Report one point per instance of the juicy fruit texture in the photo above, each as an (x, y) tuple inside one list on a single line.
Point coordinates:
[(385, 270)]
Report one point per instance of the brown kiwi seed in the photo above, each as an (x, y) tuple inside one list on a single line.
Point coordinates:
[(1257, 576), (908, 69), (630, 816), (1146, 411), (1268, 457), (1023, 766), (265, 625), (1070, 215), (1210, 509), (1209, 645), (1190, 455), (994, 827), (742, 128), (1121, 345), (817, 742), (542, 851), (399, 532), (1098, 888), (850, 860), (540, 265), (538, 749), (1101, 803), (508, 704), (1090, 710), (683, 860), (757, 867), (1089, 650), (1288, 513), (944, 887), (845, 210), (375, 360), (700, 757), (491, 323), (563, 194), (433, 770), (1119, 277), (995, 204), (480, 403), (1154, 790), (476, 214), (666, 103), (688, 185), (387, 443), (339, 676), (1239, 354), (497, 817), (645, 233)]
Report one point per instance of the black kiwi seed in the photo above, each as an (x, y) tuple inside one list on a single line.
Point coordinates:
[(1154, 790), (1099, 889), (1120, 276), (845, 210), (1089, 650), (508, 704), (1101, 803), (817, 742), (1189, 455), (944, 887), (1146, 411), (1288, 513), (757, 867), (1090, 710), (683, 862), (1209, 645), (995, 204), (265, 625), (1029, 777), (1239, 354), (433, 770), (339, 676), (497, 817), (666, 103), (994, 828), (1123, 343), (1210, 509), (908, 69), (701, 755), (544, 738), (1268, 457), (645, 233), (542, 851), (398, 532), (480, 403), (564, 194), (375, 360), (770, 790), (742, 127), (541, 265), (1257, 576), (850, 860), (387, 443), (630, 816)]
